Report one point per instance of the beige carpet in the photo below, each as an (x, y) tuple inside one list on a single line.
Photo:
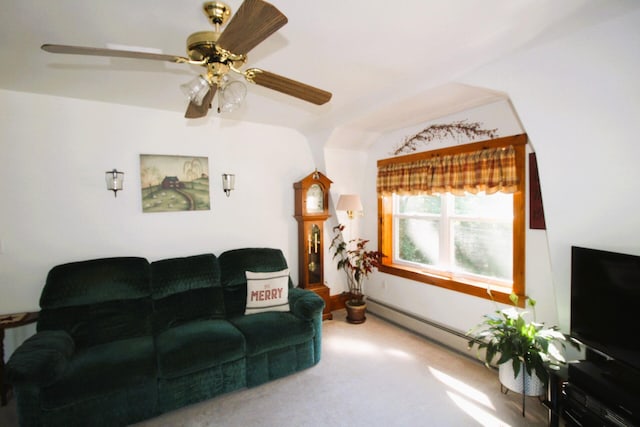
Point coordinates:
[(374, 374)]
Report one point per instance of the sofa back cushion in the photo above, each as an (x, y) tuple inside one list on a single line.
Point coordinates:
[(185, 289), (98, 301), (233, 267)]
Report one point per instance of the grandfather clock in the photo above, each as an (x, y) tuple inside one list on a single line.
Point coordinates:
[(311, 211)]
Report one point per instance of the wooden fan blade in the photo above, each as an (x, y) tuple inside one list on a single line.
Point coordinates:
[(195, 111), (288, 86), (96, 51), (254, 21)]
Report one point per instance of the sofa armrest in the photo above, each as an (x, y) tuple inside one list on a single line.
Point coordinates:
[(41, 359), (305, 304)]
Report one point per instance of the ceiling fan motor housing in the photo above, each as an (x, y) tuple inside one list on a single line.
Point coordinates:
[(202, 45)]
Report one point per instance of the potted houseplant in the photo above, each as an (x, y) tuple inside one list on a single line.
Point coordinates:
[(357, 263), (525, 347)]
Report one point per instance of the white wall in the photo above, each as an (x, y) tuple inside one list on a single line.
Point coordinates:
[(54, 206), (579, 100)]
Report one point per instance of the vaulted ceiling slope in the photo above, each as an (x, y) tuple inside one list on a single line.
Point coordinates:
[(370, 54)]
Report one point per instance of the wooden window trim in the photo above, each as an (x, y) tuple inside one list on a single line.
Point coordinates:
[(385, 226)]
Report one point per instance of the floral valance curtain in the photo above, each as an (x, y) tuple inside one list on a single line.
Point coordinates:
[(488, 170)]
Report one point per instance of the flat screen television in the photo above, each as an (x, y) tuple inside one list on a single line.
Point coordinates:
[(605, 303)]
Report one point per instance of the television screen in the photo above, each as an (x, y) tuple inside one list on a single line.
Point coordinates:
[(605, 303)]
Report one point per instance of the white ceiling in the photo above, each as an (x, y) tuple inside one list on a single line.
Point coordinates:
[(370, 54)]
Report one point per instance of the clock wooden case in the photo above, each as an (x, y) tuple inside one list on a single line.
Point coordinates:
[(311, 211)]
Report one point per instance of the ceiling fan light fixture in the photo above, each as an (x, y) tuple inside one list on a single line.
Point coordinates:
[(196, 89), (231, 95)]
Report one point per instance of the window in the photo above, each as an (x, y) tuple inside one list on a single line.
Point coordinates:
[(469, 235), (468, 238)]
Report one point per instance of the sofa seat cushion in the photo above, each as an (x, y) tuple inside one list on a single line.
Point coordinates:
[(272, 330), (102, 369), (197, 345)]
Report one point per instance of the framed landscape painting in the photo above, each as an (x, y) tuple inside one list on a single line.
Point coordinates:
[(174, 183)]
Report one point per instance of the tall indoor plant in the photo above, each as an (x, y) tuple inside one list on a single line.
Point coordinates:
[(524, 347), (357, 263)]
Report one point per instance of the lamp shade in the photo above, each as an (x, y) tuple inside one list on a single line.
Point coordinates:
[(196, 89), (231, 96), (350, 203)]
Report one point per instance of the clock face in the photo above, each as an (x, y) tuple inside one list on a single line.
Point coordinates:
[(315, 199)]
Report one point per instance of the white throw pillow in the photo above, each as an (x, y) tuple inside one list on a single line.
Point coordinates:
[(267, 291)]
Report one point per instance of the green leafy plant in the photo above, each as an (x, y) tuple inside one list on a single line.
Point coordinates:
[(508, 334), (356, 261)]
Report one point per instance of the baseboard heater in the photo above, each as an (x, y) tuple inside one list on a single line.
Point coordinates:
[(434, 331)]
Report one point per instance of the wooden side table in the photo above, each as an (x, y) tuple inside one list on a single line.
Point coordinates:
[(10, 321)]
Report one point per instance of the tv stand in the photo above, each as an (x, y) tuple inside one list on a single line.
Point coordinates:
[(626, 379), (599, 393)]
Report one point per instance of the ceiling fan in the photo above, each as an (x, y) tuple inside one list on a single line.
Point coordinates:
[(221, 53)]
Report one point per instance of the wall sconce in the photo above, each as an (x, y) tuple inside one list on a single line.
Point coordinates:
[(114, 180), (350, 203), (228, 181)]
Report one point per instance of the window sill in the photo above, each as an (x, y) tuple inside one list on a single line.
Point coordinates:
[(498, 294)]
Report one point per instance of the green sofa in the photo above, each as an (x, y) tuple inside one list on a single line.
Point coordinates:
[(120, 340)]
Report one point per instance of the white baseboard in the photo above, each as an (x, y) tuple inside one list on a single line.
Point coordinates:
[(444, 335)]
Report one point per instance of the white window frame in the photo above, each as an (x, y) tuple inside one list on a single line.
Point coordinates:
[(447, 217)]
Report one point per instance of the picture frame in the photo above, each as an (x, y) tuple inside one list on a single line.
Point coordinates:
[(174, 183)]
